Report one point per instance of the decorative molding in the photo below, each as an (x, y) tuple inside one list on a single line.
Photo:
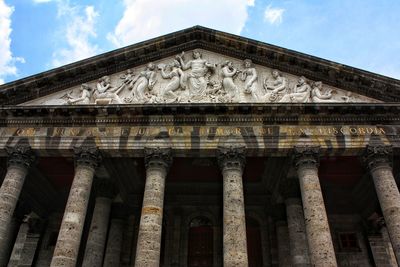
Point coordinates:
[(88, 156), (20, 155), (206, 77), (232, 157), (376, 156), (359, 81), (306, 156), (158, 157)]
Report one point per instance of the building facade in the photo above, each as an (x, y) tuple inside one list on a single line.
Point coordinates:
[(200, 148)]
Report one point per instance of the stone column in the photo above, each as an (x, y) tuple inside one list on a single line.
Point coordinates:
[(296, 226), (96, 240), (112, 257), (20, 158), (149, 238), (69, 237), (231, 161), (378, 159), (319, 237)]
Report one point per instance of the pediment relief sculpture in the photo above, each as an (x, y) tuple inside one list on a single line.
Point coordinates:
[(200, 77)]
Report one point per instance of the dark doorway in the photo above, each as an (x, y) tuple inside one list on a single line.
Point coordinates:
[(254, 248), (201, 240)]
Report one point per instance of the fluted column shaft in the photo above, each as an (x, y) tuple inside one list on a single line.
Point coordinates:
[(322, 253), (232, 162), (96, 240), (19, 161), (149, 237), (69, 237), (379, 162)]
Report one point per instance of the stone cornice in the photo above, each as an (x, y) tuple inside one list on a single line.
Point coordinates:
[(338, 75), (200, 114)]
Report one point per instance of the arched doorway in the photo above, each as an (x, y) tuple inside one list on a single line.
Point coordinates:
[(254, 247), (200, 247)]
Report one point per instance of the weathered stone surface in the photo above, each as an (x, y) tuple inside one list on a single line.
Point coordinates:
[(20, 159), (96, 241), (47, 247), (232, 162), (295, 221), (149, 237), (114, 243), (319, 238), (69, 237), (378, 160)]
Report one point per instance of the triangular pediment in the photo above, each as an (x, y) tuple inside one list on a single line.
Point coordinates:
[(200, 76), (124, 76)]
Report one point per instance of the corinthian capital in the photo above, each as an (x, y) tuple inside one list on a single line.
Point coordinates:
[(20, 155), (158, 157), (306, 156), (377, 156), (88, 156), (231, 157)]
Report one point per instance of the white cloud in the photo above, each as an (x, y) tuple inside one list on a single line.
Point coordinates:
[(79, 28), (7, 60), (144, 19), (273, 15)]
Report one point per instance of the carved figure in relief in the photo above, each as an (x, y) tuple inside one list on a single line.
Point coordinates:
[(176, 76), (249, 76), (105, 92), (275, 86), (197, 76), (317, 94), (301, 92), (84, 98), (228, 72), (127, 78), (145, 81)]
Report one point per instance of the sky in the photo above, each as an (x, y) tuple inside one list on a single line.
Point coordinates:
[(39, 35)]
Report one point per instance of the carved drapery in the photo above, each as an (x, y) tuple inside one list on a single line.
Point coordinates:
[(202, 77)]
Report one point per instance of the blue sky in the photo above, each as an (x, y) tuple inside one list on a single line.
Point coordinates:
[(38, 35)]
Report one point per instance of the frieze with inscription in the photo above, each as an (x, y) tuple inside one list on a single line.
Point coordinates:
[(200, 76)]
